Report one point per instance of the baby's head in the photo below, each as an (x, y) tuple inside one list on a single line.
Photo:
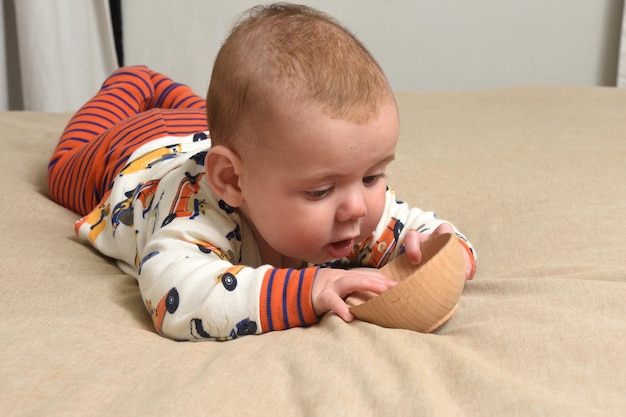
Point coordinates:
[(303, 125), (285, 54)]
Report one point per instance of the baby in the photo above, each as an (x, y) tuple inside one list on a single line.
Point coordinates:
[(252, 227)]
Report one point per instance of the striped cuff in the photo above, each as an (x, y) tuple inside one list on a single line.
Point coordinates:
[(472, 257), (286, 299)]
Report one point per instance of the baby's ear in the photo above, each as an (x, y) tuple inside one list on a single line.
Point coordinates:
[(223, 168)]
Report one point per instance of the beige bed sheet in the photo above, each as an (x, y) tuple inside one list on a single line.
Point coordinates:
[(534, 176)]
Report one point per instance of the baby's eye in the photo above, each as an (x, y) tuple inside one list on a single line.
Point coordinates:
[(370, 179), (319, 194)]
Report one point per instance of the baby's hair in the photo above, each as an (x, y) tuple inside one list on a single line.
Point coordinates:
[(287, 47)]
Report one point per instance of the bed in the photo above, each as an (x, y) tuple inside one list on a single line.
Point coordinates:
[(534, 176)]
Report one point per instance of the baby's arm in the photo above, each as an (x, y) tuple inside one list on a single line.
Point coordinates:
[(217, 299), (402, 229), (420, 226), (210, 297), (192, 295), (413, 241)]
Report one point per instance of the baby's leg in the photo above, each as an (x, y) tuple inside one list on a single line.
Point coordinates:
[(134, 106)]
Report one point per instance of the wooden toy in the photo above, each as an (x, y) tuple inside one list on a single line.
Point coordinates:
[(427, 294)]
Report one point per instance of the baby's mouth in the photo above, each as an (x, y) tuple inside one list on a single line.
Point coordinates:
[(340, 249)]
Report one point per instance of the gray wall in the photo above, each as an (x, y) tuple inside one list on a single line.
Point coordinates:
[(421, 44)]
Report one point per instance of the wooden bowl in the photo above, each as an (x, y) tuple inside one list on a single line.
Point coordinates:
[(427, 295)]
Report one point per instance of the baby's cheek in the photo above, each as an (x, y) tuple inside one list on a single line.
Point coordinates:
[(379, 203), (374, 214)]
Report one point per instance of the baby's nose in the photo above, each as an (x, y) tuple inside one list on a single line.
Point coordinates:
[(353, 207)]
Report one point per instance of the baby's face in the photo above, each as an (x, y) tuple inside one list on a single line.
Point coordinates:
[(318, 187)]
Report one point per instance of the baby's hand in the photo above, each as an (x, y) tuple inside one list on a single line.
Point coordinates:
[(331, 286), (413, 241)]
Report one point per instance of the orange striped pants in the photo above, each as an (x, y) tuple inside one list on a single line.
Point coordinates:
[(134, 106)]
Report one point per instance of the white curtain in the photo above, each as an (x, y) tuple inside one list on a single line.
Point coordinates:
[(621, 72), (64, 49)]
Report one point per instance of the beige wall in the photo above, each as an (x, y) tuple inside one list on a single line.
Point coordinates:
[(421, 44)]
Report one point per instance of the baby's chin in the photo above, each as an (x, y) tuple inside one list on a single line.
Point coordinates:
[(317, 259), (323, 259)]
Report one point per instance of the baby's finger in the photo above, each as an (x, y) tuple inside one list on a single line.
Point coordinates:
[(343, 311), (412, 247), (363, 281), (443, 228), (330, 301)]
